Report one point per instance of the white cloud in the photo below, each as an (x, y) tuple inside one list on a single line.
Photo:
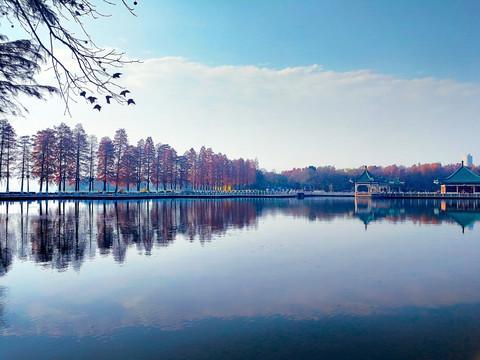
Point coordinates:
[(290, 117)]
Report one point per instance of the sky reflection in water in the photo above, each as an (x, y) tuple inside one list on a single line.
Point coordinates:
[(325, 272)]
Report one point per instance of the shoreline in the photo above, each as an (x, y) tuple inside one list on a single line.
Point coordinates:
[(213, 195)]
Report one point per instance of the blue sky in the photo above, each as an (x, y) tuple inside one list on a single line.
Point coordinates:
[(295, 83), (407, 38)]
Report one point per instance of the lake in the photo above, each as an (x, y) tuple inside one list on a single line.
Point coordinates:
[(319, 278)]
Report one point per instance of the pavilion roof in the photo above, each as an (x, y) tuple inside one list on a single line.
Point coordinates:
[(462, 175), (364, 177), (390, 181)]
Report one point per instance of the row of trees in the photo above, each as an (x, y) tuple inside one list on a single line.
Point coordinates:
[(73, 160)]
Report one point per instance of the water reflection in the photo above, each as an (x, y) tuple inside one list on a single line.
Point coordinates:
[(462, 212), (289, 274), (64, 233), (2, 296), (59, 233)]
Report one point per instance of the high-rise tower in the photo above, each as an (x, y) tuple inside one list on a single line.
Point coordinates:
[(467, 160)]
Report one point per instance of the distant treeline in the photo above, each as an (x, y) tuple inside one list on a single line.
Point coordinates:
[(72, 160), (417, 177)]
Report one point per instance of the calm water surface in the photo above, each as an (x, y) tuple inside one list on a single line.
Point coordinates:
[(240, 279)]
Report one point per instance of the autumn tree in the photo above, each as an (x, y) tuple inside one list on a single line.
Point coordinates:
[(64, 152), (201, 167), (81, 150), (128, 167), (182, 171), (5, 129), (169, 167), (43, 157), (207, 164), (218, 171), (106, 161), (157, 166), (228, 175), (159, 172), (7, 156), (191, 159), (23, 165), (149, 161), (238, 172), (139, 157), (252, 167), (174, 168), (91, 158), (120, 143)]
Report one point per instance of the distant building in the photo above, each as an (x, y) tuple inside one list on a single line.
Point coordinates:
[(462, 181), (467, 160)]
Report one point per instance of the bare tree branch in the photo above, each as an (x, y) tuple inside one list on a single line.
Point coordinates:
[(93, 67)]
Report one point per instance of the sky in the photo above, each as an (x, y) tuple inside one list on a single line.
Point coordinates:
[(292, 83)]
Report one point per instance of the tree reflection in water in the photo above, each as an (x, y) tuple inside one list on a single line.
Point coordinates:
[(59, 234), (2, 305), (7, 242)]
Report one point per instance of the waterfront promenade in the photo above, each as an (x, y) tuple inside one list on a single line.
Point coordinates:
[(17, 196)]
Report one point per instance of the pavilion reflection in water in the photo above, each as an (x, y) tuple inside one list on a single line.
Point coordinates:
[(462, 212), (369, 210)]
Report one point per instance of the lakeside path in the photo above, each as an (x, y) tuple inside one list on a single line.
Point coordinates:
[(136, 196), (16, 196)]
